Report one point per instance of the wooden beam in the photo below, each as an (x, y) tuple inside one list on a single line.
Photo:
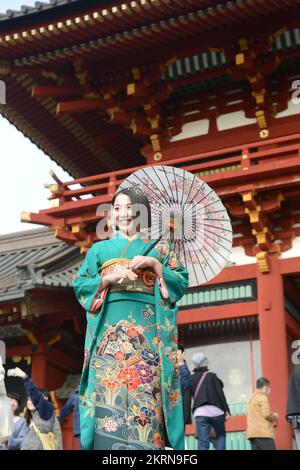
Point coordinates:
[(55, 90), (42, 219), (53, 306), (21, 350), (66, 361), (137, 90), (220, 312), (80, 106), (124, 118), (290, 265), (189, 46), (234, 273)]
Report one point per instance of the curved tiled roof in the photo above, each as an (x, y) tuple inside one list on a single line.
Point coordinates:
[(194, 44), (37, 8), (35, 258)]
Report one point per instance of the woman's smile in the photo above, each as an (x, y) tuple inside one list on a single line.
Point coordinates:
[(122, 213)]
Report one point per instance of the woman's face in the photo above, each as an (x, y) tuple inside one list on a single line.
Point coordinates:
[(30, 405), (122, 213), (14, 404)]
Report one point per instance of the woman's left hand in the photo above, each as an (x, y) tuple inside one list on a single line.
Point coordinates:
[(139, 262)]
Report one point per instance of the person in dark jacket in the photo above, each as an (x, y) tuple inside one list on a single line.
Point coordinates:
[(185, 383), (210, 408), (293, 403), (72, 405)]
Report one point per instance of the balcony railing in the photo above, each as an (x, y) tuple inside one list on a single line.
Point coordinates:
[(219, 168)]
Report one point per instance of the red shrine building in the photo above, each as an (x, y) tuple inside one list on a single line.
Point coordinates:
[(107, 87)]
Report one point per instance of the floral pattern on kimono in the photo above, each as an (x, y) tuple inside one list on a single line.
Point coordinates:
[(112, 365)]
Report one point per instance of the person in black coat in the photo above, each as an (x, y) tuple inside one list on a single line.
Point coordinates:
[(72, 405), (210, 408), (293, 403), (185, 383)]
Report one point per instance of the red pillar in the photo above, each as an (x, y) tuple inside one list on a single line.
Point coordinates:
[(39, 366), (273, 343)]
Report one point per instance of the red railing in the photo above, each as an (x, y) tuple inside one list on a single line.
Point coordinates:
[(273, 155)]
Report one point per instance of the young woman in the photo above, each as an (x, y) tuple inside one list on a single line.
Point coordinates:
[(130, 390)]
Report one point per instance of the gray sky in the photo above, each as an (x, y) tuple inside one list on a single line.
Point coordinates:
[(23, 167), (16, 4)]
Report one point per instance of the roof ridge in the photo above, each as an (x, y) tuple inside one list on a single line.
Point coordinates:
[(57, 259), (24, 10), (28, 239)]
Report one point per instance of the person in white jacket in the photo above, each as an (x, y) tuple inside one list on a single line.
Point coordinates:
[(6, 415)]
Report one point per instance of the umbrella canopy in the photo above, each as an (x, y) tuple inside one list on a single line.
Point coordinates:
[(201, 234)]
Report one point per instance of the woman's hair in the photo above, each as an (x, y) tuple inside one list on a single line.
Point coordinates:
[(28, 413), (138, 198), (201, 369)]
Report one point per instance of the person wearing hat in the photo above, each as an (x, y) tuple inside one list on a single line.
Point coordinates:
[(210, 408), (20, 425)]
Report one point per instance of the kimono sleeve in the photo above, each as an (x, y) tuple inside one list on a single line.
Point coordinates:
[(87, 281), (175, 276)]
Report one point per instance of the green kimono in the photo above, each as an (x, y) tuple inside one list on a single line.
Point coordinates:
[(130, 387)]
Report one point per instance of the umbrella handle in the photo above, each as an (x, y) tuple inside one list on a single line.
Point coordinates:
[(170, 226), (152, 246)]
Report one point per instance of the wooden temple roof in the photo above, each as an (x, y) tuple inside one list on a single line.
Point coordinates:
[(34, 259), (96, 86)]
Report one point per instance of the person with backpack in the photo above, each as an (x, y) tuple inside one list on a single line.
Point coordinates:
[(210, 408), (44, 431)]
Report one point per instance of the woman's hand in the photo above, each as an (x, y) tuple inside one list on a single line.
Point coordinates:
[(118, 275), (16, 372), (139, 262), (151, 262)]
